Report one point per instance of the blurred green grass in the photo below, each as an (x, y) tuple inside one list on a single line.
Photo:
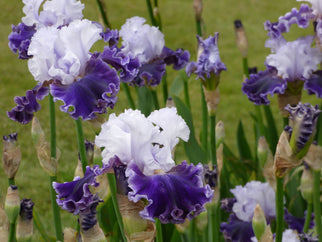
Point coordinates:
[(179, 30)]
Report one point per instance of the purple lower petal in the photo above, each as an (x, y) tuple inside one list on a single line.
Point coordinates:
[(296, 223), (150, 74), (111, 36), (237, 230), (173, 196), (260, 85), (126, 65), (179, 58), (314, 84), (90, 94), (19, 39), (27, 105)]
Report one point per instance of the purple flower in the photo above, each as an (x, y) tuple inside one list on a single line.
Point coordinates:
[(304, 118), (237, 230), (75, 196), (111, 36), (173, 196), (296, 223), (208, 63), (27, 105), (179, 58), (19, 39), (90, 94)]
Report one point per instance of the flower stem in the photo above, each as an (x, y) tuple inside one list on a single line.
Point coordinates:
[(39, 226), (55, 208), (11, 182), (128, 95), (165, 88), (159, 237), (316, 202), (279, 209), (155, 99), (12, 232), (112, 183), (308, 217), (186, 92), (150, 10), (213, 138), (204, 132), (81, 143), (102, 9), (245, 66)]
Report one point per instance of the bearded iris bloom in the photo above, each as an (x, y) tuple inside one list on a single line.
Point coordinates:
[(144, 146)]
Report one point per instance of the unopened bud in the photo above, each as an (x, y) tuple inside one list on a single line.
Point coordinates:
[(259, 222), (263, 152), (241, 39), (220, 133), (292, 96), (25, 222), (48, 163), (12, 204), (197, 6), (314, 157), (4, 225), (268, 235), (37, 133), (11, 155), (79, 169), (170, 103), (212, 99), (306, 186), (70, 235), (89, 146)]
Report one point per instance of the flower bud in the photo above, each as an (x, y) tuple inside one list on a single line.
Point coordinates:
[(212, 99), (12, 204), (220, 133), (11, 155), (24, 230), (306, 186), (48, 163), (4, 225), (241, 39), (70, 235), (267, 236), (259, 222), (37, 133), (197, 6), (79, 169), (314, 157), (263, 152)]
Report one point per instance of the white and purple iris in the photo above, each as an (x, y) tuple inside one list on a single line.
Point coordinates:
[(209, 63), (239, 226), (291, 64), (144, 146)]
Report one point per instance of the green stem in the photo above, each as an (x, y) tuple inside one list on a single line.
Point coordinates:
[(155, 99), (112, 183), (55, 208), (128, 95), (245, 66), (192, 230), (150, 10), (199, 27), (81, 143), (210, 215), (159, 237), (102, 9), (204, 132), (165, 88), (279, 209), (213, 139), (39, 226), (186, 92), (11, 182), (12, 232), (316, 203), (216, 223), (285, 121), (308, 217)]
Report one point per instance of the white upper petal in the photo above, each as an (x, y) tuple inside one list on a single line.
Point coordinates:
[(62, 54), (141, 40)]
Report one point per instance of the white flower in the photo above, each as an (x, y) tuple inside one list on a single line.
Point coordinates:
[(249, 196), (293, 60), (134, 138), (55, 12), (141, 40), (62, 54)]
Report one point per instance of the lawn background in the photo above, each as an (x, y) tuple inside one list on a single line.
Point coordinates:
[(179, 30)]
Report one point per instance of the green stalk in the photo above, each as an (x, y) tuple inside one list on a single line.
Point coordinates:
[(128, 95), (112, 183), (279, 209), (155, 99), (204, 132), (316, 203), (39, 226), (11, 182), (213, 139), (159, 237), (308, 217), (55, 208), (165, 88), (12, 232), (198, 27), (150, 10), (186, 92), (285, 121), (245, 66), (102, 9), (81, 143), (210, 215), (216, 227)]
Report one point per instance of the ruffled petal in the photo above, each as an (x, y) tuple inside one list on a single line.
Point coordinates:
[(150, 74), (237, 230), (258, 86), (19, 39), (125, 64), (296, 223), (111, 36), (27, 105), (179, 58), (76, 196), (90, 94), (314, 84), (316, 6), (173, 196)]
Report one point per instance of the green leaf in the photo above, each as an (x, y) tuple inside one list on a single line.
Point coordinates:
[(193, 150), (243, 146), (272, 135), (176, 86), (145, 100)]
